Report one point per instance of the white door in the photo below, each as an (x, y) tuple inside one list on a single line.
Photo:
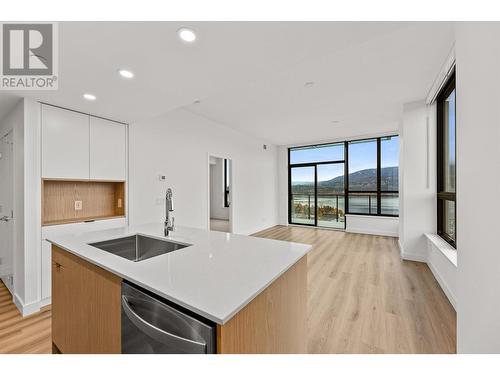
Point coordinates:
[(65, 143), (6, 207), (108, 150)]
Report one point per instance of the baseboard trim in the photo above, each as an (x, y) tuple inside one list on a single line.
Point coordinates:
[(447, 291), (45, 302), (8, 284), (414, 257), (372, 232), (26, 309)]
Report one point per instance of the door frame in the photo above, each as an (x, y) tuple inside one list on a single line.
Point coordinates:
[(231, 184), (11, 223), (315, 165)]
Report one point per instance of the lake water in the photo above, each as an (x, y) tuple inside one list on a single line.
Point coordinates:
[(357, 204)]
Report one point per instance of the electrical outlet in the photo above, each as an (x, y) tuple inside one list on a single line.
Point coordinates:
[(119, 203), (78, 205)]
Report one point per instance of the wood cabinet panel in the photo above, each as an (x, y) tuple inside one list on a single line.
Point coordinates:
[(86, 313), (100, 200), (273, 322)]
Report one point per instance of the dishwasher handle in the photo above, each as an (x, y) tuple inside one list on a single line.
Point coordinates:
[(181, 343)]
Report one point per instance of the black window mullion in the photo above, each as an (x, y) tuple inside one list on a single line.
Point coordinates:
[(442, 195), (316, 195), (346, 179), (379, 174)]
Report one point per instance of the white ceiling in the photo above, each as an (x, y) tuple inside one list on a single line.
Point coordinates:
[(251, 75)]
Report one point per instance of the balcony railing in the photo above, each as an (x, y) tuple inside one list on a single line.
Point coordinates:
[(331, 209)]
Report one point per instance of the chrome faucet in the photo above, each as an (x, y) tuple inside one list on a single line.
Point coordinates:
[(169, 208)]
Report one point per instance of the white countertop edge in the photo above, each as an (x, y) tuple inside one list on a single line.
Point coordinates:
[(216, 319)]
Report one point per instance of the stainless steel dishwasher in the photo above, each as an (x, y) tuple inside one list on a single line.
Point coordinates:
[(151, 325)]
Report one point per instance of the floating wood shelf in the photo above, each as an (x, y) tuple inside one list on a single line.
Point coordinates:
[(100, 200)]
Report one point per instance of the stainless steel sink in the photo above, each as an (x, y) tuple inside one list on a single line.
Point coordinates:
[(138, 247)]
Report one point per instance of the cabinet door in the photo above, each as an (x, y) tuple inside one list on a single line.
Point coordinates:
[(65, 143), (70, 300), (86, 306), (46, 269), (108, 150)]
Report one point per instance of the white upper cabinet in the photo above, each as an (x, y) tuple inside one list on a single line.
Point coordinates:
[(77, 146), (65, 144), (108, 152)]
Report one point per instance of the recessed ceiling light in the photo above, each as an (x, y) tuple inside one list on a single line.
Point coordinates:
[(309, 84), (186, 34), (334, 122), (89, 97), (197, 101), (126, 73)]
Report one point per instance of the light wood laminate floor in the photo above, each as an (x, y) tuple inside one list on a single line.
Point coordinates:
[(362, 298), (23, 335)]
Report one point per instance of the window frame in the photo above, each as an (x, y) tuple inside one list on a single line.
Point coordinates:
[(315, 166), (378, 190), (441, 194)]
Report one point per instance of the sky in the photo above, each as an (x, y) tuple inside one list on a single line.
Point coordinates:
[(362, 155)]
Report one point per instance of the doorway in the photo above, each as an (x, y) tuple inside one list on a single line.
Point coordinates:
[(7, 208), (317, 195), (220, 194), (316, 185)]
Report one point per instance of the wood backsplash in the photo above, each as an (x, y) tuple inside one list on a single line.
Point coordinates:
[(100, 200)]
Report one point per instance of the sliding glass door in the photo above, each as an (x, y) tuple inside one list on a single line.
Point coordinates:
[(302, 195), (316, 185), (330, 195)]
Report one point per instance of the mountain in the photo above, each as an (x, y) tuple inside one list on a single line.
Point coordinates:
[(364, 180)]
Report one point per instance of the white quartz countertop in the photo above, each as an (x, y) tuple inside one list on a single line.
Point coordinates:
[(215, 277)]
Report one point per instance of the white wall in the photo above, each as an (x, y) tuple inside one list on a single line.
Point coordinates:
[(478, 184), (32, 206), (376, 225), (442, 261), (283, 185), (177, 144), (24, 119), (217, 209), (417, 180)]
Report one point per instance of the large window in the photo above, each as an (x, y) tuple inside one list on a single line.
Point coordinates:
[(446, 158), (322, 176), (373, 176)]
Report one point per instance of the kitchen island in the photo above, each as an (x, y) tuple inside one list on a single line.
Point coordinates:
[(253, 290)]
